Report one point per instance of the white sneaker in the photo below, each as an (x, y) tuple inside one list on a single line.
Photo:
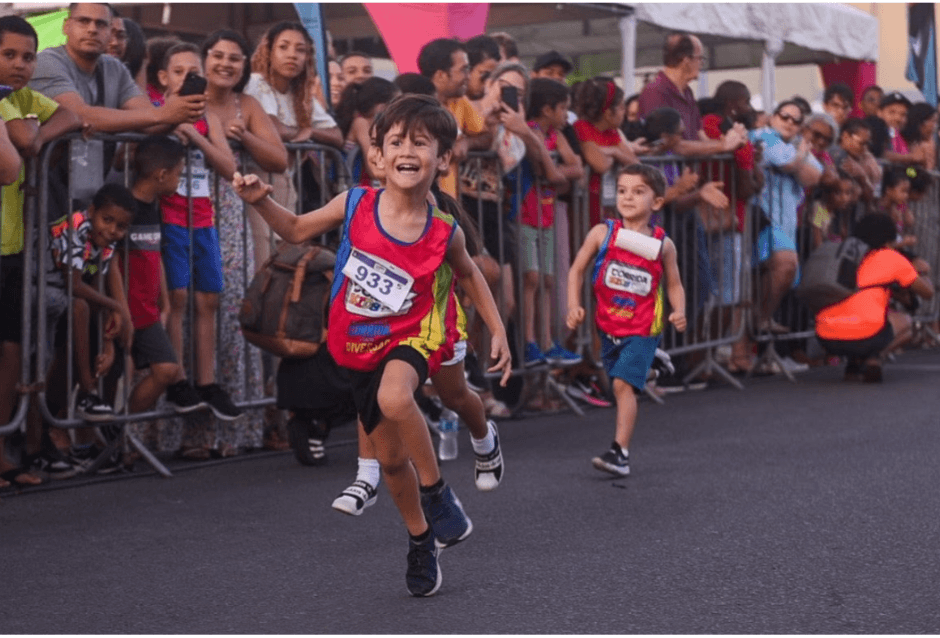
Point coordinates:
[(488, 468), (793, 367)]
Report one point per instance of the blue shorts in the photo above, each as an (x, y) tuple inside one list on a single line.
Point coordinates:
[(629, 358), (207, 259), (771, 240)]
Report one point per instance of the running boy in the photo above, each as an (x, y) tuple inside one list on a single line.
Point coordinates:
[(210, 150), (629, 297), (393, 280)]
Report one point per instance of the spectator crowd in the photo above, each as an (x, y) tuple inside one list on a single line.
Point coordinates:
[(147, 249)]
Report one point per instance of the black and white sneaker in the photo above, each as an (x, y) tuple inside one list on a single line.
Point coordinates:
[(356, 498), (488, 468), (184, 398), (92, 408), (423, 577), (84, 459), (219, 402), (54, 464), (613, 462), (307, 440)]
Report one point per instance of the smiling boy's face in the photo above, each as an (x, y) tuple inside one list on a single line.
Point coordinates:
[(109, 224), (411, 160)]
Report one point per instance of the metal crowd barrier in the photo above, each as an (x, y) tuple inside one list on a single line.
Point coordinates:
[(332, 177)]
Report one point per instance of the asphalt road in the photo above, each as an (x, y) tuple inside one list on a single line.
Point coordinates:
[(807, 508)]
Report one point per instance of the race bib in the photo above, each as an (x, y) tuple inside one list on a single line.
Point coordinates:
[(199, 177), (608, 189), (630, 279), (378, 279)]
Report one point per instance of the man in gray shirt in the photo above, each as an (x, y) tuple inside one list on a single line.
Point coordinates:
[(76, 74)]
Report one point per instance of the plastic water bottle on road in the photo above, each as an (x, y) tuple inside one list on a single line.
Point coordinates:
[(447, 427)]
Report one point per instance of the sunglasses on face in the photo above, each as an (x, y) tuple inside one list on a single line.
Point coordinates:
[(786, 117)]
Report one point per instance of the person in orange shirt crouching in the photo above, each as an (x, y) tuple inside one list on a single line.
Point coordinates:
[(861, 327)]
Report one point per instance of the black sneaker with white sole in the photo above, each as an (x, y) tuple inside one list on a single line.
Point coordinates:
[(219, 402), (307, 440), (184, 398), (613, 462), (54, 464), (92, 408), (84, 459)]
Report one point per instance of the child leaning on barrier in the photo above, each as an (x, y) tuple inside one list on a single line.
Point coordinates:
[(158, 164), (82, 245), (392, 285), (210, 152), (634, 267), (547, 115)]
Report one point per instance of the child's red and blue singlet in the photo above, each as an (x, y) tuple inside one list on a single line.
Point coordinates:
[(627, 289), (375, 273)]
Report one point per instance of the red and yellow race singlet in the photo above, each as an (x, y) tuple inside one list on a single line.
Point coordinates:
[(627, 289), (387, 293)]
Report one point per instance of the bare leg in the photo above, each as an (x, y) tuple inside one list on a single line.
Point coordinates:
[(145, 394), (777, 280), (451, 386), (207, 305), (174, 321), (626, 413)]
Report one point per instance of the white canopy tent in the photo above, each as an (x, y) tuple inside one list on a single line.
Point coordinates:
[(735, 35)]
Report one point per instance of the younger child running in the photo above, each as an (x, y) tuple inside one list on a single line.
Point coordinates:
[(629, 298), (393, 280)]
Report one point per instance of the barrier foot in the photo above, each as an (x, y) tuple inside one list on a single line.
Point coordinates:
[(651, 393), (554, 386), (709, 366), (771, 355), (148, 456)]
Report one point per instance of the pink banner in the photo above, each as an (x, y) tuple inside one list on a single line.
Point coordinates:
[(858, 75), (406, 27)]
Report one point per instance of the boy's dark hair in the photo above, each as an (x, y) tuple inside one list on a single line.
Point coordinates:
[(155, 153), (361, 98), (876, 230), (676, 48), (873, 87), (507, 43), (480, 48), (231, 36), (661, 121), (112, 194), (730, 91), (545, 92), (415, 83), (180, 47), (437, 55), (893, 176), (916, 116), (16, 24), (854, 125), (651, 176), (842, 90), (351, 54), (156, 51), (413, 111)]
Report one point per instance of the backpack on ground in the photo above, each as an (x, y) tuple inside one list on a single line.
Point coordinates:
[(829, 274), (284, 309)]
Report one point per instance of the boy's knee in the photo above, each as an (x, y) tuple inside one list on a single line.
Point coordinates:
[(207, 302), (165, 374), (531, 279), (394, 402), (178, 299)]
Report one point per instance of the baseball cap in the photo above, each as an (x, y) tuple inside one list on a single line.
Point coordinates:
[(894, 97), (550, 58)]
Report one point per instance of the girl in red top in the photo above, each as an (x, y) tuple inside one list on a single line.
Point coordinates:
[(601, 109)]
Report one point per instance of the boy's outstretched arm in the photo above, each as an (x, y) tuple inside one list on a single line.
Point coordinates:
[(293, 228), (474, 285), (674, 290), (592, 244)]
